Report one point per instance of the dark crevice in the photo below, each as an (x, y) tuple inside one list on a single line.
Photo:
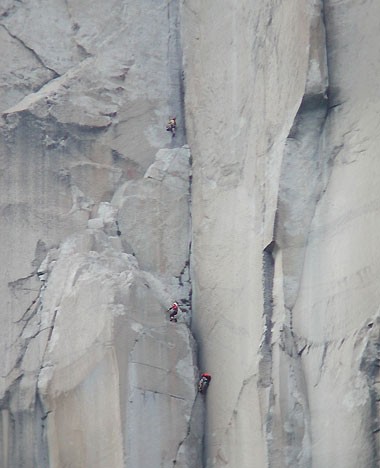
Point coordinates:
[(29, 318), (189, 256), (118, 232), (265, 364), (26, 342), (52, 324), (369, 366), (38, 58), (175, 71), (320, 371), (304, 160), (31, 310), (302, 350), (15, 284), (304, 157), (182, 273), (177, 107), (333, 106), (331, 92)]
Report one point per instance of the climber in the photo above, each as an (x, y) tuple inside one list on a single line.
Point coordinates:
[(204, 382), (173, 309), (171, 126)]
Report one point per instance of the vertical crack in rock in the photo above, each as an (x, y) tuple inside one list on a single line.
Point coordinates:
[(7, 417), (42, 447), (265, 365), (367, 346), (61, 372), (38, 58), (320, 371), (304, 174), (175, 71), (28, 319), (51, 329), (332, 103), (185, 274), (25, 425), (304, 177), (292, 409), (305, 167), (191, 231), (187, 453), (265, 382)]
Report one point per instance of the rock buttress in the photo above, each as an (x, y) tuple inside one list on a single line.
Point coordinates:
[(84, 108)]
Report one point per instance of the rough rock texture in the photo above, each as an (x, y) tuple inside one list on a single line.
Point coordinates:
[(161, 198), (99, 367), (127, 344), (237, 140), (336, 311), (93, 374), (276, 269), (282, 114)]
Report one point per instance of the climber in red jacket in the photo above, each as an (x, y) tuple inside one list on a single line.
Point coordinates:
[(174, 308), (204, 382)]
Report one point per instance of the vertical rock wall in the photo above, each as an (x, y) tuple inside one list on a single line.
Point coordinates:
[(282, 114), (246, 71), (95, 238), (337, 307), (281, 118)]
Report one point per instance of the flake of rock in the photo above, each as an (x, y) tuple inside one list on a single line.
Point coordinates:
[(154, 213)]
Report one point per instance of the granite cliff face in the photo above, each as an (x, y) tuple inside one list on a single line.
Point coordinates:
[(260, 216), (95, 240), (282, 111)]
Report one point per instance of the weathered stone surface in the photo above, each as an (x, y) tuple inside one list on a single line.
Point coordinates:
[(90, 361), (337, 306), (284, 209), (107, 364), (161, 200), (20, 71), (282, 112), (109, 367), (237, 140), (113, 362)]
